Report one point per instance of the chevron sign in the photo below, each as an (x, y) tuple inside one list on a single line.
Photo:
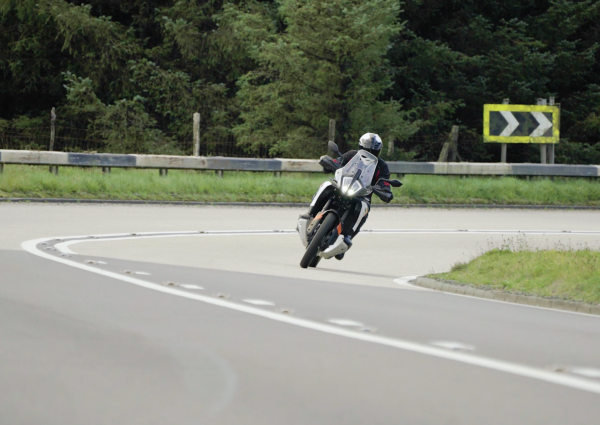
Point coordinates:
[(521, 124)]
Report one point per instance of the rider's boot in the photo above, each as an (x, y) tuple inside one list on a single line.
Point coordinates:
[(347, 241)]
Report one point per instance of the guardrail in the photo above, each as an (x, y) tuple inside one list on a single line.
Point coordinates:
[(220, 164)]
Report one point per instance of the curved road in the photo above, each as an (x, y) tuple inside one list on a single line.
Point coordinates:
[(223, 327)]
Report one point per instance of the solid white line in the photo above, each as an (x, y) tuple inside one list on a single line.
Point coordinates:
[(589, 372), (453, 345), (345, 322), (405, 283), (188, 286), (493, 364), (258, 302)]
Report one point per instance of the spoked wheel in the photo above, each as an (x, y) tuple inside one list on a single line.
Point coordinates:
[(310, 258)]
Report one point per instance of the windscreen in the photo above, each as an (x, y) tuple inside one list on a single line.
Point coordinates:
[(363, 161)]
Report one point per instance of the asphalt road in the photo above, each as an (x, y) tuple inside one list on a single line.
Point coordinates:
[(227, 329)]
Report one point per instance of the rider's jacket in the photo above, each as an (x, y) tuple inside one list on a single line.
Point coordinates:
[(381, 172)]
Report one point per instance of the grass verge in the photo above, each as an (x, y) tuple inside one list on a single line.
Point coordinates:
[(556, 273), (22, 181)]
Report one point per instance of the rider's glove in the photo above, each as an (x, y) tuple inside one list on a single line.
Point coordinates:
[(384, 192), (329, 164)]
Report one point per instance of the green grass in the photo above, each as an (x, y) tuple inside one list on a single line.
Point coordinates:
[(557, 273), (89, 183)]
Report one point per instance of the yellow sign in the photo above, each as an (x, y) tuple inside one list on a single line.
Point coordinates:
[(521, 124)]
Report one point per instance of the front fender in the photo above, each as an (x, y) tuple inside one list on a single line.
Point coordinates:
[(324, 187)]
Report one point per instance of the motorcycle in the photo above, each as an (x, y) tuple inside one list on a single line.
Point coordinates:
[(337, 204)]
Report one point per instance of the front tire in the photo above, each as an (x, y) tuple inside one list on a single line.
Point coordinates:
[(310, 255)]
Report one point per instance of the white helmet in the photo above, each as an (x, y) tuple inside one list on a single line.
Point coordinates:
[(371, 142)]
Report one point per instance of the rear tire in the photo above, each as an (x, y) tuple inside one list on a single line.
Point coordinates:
[(310, 255)]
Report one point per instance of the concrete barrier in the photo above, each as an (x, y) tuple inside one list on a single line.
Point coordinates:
[(165, 162)]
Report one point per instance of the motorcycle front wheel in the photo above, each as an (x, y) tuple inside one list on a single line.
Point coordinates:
[(310, 255)]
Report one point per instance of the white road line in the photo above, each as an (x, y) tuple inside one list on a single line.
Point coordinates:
[(189, 286), (259, 302), (405, 283), (453, 345), (588, 372), (470, 359), (143, 273), (345, 322)]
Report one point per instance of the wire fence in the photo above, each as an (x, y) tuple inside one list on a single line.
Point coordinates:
[(72, 139)]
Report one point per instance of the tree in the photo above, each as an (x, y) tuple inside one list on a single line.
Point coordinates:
[(317, 60)]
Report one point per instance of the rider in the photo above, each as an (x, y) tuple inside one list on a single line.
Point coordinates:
[(372, 143)]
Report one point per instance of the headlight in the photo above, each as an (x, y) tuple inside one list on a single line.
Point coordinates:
[(350, 190), (355, 188), (346, 184)]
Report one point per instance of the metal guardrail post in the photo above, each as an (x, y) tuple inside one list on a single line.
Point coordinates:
[(219, 173), (105, 170), (163, 172)]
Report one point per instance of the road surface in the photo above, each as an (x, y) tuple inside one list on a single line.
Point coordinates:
[(223, 327)]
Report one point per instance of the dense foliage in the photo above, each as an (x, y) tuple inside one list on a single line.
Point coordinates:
[(272, 73)]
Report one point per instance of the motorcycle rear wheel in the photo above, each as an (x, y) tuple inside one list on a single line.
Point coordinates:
[(310, 255)]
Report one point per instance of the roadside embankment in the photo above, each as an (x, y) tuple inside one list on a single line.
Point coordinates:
[(21, 181), (560, 277)]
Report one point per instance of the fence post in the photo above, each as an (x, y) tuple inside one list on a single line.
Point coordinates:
[(52, 129), (1, 168), (53, 168), (105, 170), (163, 172), (196, 134), (453, 151), (391, 148), (332, 130), (551, 146), (219, 173), (504, 145), (450, 147)]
